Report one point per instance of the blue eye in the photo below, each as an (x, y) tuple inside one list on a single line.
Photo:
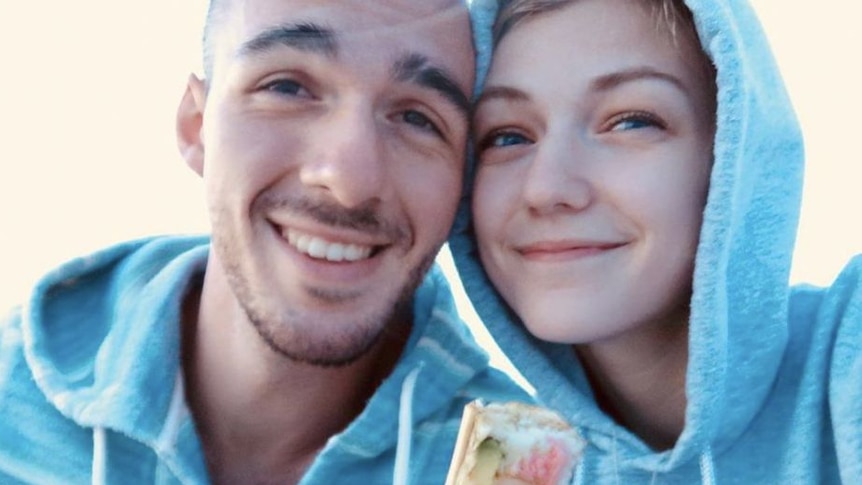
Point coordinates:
[(286, 86), (503, 139), (635, 121), (632, 125)]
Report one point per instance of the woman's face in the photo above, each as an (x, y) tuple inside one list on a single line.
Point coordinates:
[(595, 136)]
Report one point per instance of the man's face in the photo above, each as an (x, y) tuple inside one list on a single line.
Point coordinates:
[(332, 146)]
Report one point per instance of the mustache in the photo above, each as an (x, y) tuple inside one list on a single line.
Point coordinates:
[(364, 218)]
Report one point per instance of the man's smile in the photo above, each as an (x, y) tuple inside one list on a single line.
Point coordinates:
[(320, 248)]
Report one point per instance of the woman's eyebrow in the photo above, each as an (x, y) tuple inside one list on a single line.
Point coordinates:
[(612, 80), (501, 93)]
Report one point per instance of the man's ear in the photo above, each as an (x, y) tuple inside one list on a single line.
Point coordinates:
[(190, 115)]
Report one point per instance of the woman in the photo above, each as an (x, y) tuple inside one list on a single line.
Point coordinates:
[(634, 209)]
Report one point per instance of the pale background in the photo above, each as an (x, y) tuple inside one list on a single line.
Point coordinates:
[(87, 153)]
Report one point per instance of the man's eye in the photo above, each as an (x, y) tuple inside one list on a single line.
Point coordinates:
[(419, 120), (635, 121), (287, 86)]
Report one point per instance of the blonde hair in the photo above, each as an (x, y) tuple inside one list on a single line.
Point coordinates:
[(673, 15)]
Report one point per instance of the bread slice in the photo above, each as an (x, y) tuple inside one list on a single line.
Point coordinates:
[(513, 443)]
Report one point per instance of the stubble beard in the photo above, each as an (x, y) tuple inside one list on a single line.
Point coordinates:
[(284, 329)]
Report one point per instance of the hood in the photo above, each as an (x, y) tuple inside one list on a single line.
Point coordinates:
[(738, 322), (93, 370)]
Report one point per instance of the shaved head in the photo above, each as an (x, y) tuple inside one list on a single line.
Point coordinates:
[(217, 10), (215, 13)]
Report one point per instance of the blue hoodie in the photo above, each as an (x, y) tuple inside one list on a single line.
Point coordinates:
[(91, 389), (774, 382)]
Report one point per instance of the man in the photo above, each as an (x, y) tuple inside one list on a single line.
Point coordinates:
[(304, 345)]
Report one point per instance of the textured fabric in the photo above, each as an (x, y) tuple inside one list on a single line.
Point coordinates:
[(775, 373), (97, 348)]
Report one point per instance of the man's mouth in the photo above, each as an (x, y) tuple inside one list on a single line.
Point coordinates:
[(319, 248)]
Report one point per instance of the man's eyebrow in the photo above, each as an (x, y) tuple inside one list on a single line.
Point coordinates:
[(417, 69), (303, 36), (615, 79)]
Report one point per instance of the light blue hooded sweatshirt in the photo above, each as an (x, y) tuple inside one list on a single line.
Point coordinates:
[(774, 382), (91, 389)]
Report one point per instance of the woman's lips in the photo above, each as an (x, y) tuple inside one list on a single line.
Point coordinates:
[(563, 250)]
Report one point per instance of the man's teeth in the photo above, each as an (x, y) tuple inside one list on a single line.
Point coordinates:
[(330, 251)]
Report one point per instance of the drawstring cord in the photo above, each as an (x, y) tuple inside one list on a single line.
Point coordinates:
[(707, 468), (579, 468), (616, 458), (401, 473), (100, 451), (167, 438)]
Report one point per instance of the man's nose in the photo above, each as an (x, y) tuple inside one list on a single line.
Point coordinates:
[(348, 159)]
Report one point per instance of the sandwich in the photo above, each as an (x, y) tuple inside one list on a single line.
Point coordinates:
[(514, 444)]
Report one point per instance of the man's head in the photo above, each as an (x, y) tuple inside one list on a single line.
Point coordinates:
[(214, 16), (331, 138)]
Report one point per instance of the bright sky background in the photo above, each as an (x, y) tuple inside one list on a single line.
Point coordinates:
[(88, 158)]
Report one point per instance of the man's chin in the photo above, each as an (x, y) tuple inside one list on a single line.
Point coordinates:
[(326, 340), (331, 327)]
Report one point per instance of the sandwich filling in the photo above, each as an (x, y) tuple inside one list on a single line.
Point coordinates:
[(512, 444)]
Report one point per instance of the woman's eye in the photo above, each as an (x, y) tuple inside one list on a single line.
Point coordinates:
[(503, 139), (287, 87), (635, 121), (419, 120)]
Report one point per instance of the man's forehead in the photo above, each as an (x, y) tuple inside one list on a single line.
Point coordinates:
[(346, 16), (442, 35), (400, 39)]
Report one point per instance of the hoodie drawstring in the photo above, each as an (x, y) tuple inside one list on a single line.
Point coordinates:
[(100, 451), (707, 468), (579, 470), (401, 473), (167, 438)]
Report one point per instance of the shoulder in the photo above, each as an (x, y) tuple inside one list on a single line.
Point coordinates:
[(825, 326), (831, 314), (37, 443), (842, 310), (836, 324)]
